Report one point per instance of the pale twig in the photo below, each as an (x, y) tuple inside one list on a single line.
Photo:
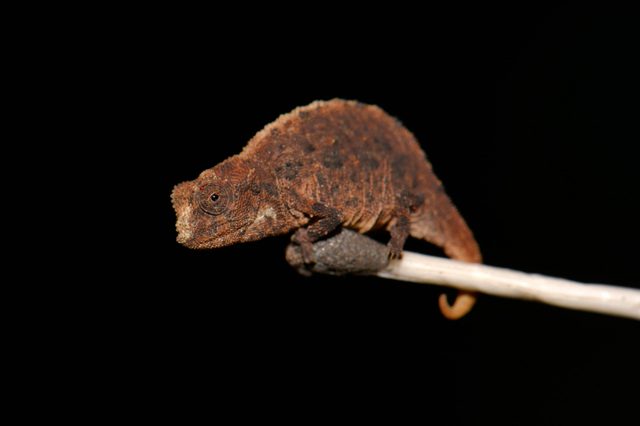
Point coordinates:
[(502, 282), (350, 252)]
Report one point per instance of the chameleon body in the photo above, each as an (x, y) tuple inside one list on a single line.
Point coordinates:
[(319, 167)]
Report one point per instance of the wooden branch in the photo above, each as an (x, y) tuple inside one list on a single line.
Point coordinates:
[(349, 252), (605, 299)]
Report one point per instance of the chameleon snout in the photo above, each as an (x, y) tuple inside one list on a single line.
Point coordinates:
[(180, 199)]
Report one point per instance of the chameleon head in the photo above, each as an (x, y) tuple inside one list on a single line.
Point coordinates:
[(225, 205)]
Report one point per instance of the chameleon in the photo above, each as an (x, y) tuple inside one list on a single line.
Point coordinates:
[(323, 166)]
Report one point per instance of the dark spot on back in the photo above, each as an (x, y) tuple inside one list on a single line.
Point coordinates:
[(307, 147), (353, 175), (368, 161), (352, 202), (289, 170), (270, 189), (333, 159), (304, 114), (400, 167), (335, 189), (298, 140), (382, 143)]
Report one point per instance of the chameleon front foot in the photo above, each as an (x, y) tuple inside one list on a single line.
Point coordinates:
[(302, 239)]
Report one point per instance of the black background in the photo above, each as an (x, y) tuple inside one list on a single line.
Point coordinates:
[(525, 114)]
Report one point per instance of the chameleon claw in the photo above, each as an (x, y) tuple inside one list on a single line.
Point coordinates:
[(394, 253)]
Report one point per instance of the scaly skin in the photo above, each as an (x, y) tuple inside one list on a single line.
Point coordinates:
[(325, 165)]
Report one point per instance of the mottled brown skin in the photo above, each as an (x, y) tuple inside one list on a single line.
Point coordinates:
[(319, 167)]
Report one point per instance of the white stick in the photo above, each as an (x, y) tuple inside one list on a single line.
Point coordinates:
[(501, 282)]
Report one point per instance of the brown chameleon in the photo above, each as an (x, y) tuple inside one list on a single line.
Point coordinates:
[(319, 167)]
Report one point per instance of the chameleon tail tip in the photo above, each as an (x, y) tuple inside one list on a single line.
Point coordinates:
[(461, 306)]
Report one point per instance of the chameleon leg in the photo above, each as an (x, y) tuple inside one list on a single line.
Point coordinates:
[(399, 233), (327, 220)]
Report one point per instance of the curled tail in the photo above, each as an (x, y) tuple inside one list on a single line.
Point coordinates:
[(461, 306), (439, 223)]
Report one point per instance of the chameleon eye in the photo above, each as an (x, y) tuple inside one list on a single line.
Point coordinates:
[(214, 199)]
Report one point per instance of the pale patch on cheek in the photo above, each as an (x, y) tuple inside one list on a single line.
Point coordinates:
[(183, 224), (264, 213)]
